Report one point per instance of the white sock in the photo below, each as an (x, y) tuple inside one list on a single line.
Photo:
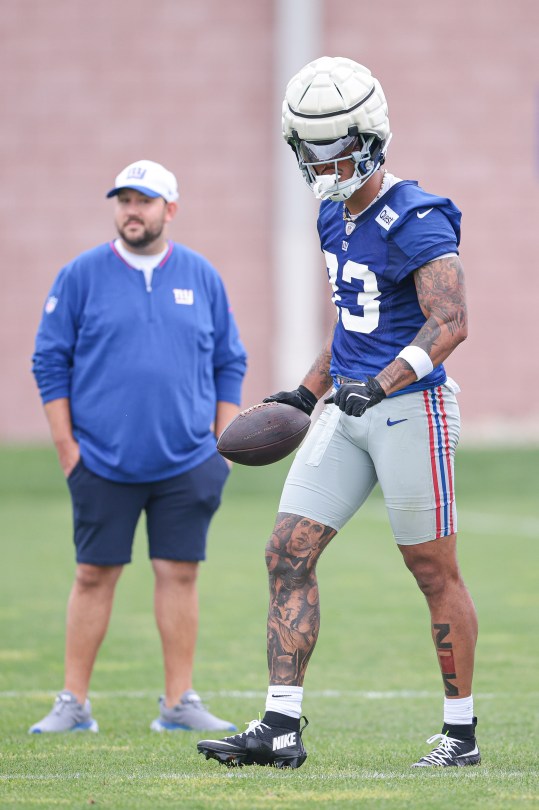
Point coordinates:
[(285, 700), (458, 711)]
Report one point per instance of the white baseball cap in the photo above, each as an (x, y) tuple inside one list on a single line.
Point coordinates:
[(149, 178)]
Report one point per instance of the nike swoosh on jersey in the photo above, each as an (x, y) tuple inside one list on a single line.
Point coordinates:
[(423, 213), (389, 423), (281, 696)]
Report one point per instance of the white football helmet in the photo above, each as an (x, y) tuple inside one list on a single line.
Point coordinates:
[(335, 110)]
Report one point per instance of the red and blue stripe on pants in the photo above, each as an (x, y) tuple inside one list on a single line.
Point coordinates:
[(440, 459)]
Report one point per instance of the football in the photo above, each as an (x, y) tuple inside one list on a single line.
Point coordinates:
[(263, 434)]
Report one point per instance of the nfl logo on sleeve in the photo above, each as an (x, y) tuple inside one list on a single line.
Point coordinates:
[(386, 217), (50, 304)]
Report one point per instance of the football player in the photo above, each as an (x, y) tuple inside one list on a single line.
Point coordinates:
[(392, 417)]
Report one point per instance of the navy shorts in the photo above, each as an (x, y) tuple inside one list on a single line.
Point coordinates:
[(178, 513)]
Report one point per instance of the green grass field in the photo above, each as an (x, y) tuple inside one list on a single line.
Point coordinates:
[(373, 693)]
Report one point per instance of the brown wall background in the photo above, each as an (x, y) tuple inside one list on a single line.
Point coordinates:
[(86, 88)]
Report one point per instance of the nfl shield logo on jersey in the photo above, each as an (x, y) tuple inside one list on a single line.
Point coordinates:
[(349, 228)]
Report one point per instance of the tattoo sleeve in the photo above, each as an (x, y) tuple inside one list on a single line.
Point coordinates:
[(441, 296), (318, 379)]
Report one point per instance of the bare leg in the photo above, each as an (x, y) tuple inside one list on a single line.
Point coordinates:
[(176, 614), (294, 610), (453, 617), (88, 613)]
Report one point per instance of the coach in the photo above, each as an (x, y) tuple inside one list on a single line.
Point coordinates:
[(139, 365)]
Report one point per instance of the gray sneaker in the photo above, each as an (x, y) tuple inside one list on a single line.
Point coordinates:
[(189, 714), (66, 715)]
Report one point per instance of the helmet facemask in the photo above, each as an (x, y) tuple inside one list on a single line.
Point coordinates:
[(335, 110), (365, 150)]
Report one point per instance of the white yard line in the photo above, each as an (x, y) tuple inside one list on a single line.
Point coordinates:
[(479, 773), (493, 523), (471, 520)]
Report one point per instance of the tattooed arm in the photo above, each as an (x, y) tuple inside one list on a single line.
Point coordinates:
[(318, 379), (315, 383), (441, 296)]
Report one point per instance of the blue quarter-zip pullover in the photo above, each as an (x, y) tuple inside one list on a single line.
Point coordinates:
[(143, 369)]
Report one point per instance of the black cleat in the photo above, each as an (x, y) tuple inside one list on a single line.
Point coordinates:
[(451, 751), (260, 744)]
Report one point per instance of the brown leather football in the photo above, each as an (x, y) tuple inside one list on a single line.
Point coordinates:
[(263, 434)]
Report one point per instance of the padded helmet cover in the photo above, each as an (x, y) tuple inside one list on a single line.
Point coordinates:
[(331, 95)]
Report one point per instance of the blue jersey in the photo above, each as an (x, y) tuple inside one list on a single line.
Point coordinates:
[(370, 269)]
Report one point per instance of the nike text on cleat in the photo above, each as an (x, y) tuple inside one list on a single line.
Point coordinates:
[(423, 213), (389, 423), (260, 744), (450, 752)]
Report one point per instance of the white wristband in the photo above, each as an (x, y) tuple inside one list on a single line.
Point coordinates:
[(418, 359)]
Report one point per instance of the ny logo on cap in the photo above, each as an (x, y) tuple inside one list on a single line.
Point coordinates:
[(137, 172)]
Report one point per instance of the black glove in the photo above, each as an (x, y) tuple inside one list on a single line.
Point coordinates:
[(300, 398), (354, 398)]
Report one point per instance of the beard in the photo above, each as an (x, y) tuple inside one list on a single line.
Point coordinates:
[(148, 235)]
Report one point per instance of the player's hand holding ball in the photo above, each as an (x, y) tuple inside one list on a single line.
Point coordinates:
[(354, 398), (300, 398)]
